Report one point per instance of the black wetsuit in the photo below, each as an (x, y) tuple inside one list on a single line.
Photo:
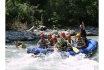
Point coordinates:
[(51, 44), (83, 35)]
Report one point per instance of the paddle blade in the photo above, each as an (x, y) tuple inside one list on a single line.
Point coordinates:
[(75, 49)]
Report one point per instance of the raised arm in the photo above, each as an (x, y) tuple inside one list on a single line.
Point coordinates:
[(83, 25)]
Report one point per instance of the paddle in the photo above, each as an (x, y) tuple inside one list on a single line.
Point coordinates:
[(74, 48)]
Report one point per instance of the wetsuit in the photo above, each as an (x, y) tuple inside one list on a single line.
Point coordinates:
[(83, 35), (51, 43)]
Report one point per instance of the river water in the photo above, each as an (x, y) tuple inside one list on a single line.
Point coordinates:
[(18, 59)]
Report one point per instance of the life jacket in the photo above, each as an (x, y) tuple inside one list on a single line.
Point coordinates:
[(23, 45), (62, 46), (63, 39), (42, 44), (51, 43), (79, 41)]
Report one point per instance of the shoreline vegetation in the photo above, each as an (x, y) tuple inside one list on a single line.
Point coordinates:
[(51, 12), (25, 18)]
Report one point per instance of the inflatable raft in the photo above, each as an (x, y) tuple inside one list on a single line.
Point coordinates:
[(91, 48)]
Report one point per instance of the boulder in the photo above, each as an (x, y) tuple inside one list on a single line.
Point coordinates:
[(42, 28), (19, 35)]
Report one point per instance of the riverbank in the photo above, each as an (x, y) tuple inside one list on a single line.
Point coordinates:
[(32, 34)]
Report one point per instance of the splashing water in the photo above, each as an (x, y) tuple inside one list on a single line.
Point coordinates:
[(20, 60)]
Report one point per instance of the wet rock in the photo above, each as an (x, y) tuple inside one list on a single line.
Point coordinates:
[(8, 41), (42, 28), (31, 29), (55, 32), (19, 35), (72, 32), (26, 36)]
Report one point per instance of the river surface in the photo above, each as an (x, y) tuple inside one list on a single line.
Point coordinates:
[(18, 59)]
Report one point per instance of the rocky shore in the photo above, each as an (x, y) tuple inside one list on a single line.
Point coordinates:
[(33, 34)]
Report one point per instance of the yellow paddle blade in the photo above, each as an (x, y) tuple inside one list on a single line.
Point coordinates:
[(75, 49)]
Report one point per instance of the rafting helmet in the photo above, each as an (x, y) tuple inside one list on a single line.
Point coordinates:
[(41, 35), (68, 36), (78, 35), (49, 35), (54, 38), (62, 33)]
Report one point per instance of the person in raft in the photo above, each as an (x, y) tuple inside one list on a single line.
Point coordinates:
[(70, 42), (62, 37), (83, 32), (80, 43), (52, 43), (49, 38), (19, 44), (62, 43), (43, 43)]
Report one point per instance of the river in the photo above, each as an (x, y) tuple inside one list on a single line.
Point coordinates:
[(18, 59)]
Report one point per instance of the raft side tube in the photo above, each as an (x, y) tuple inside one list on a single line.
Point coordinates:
[(29, 49), (92, 44)]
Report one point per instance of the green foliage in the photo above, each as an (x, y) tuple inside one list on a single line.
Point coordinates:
[(51, 12)]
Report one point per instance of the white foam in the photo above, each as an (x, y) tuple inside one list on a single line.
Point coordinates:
[(24, 61)]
